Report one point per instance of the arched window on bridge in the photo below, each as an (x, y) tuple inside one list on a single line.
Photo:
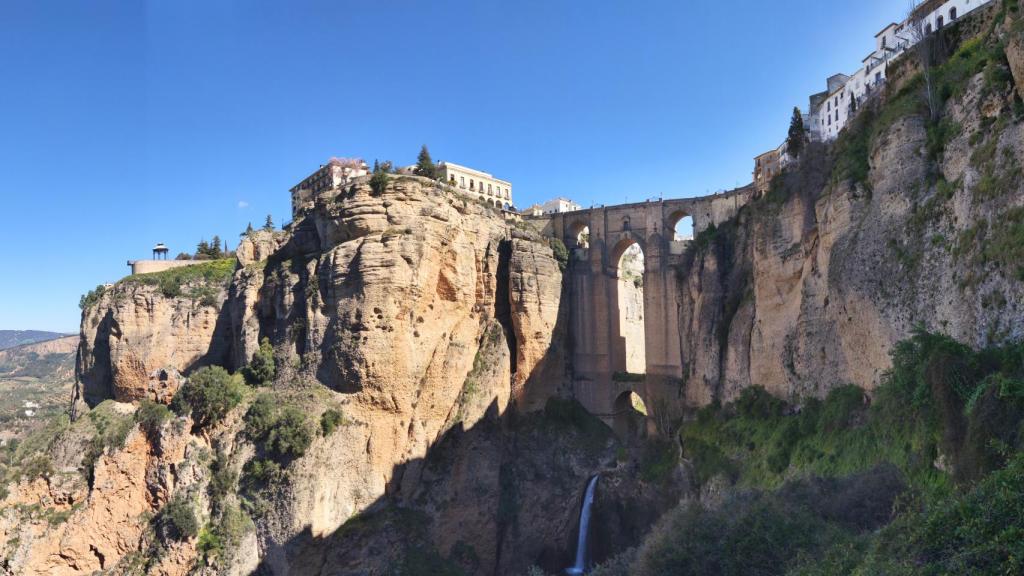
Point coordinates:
[(630, 418), (682, 224), (580, 234), (632, 349)]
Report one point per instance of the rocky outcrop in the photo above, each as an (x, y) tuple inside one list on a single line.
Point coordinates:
[(416, 311), (102, 524), (136, 331)]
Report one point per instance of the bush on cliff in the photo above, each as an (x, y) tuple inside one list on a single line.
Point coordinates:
[(283, 433), (261, 370), (151, 416), (180, 518), (209, 394), (91, 297)]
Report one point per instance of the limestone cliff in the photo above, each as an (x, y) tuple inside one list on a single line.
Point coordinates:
[(414, 311), (811, 286)]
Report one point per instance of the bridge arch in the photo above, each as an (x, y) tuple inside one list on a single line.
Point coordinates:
[(630, 415), (579, 234), (679, 226), (629, 319)]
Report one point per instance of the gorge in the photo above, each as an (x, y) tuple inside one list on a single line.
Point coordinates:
[(408, 381)]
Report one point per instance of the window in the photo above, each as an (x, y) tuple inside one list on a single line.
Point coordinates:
[(470, 183), (952, 14), (462, 181), (938, 22), (489, 189), (927, 28)]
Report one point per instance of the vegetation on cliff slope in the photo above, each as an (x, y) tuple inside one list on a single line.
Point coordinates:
[(937, 450), (171, 282)]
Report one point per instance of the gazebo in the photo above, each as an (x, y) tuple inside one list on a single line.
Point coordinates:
[(160, 251)]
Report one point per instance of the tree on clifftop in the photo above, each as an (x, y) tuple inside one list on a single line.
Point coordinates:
[(379, 180), (268, 226), (797, 136), (425, 164)]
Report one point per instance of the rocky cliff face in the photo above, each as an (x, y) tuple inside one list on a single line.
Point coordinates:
[(415, 312), (812, 286), (139, 335)]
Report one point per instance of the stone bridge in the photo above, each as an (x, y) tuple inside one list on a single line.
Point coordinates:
[(597, 239)]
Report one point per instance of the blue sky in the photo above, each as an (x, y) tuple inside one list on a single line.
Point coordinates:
[(127, 123)]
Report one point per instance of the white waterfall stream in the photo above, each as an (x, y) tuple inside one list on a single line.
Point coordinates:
[(581, 544)]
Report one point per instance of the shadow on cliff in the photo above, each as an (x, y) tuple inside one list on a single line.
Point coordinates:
[(493, 498)]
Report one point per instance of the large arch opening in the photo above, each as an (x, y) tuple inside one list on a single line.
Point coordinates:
[(682, 225), (579, 235), (630, 417), (630, 302)]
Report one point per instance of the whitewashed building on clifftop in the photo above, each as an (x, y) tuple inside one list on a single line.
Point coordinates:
[(491, 190), (846, 94)]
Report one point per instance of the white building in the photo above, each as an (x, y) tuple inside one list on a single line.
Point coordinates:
[(846, 94), (558, 206), (491, 190)]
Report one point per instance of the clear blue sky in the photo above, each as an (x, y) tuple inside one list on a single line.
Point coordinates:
[(128, 123)]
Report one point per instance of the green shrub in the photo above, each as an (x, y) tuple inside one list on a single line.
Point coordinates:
[(291, 434), (179, 515), (91, 297), (260, 472), (260, 417), (223, 478), (209, 394), (151, 416), (284, 433), (261, 370), (560, 252), (330, 420), (755, 402)]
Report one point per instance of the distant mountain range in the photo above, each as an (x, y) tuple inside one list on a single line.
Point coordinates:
[(12, 338)]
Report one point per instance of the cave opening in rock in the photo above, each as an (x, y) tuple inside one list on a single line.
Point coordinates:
[(630, 301)]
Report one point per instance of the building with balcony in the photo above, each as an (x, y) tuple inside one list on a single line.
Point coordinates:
[(334, 174), (489, 189)]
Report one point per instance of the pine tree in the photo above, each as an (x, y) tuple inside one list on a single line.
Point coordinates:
[(268, 226), (379, 180), (797, 137), (248, 230), (202, 250), (215, 252), (425, 165)]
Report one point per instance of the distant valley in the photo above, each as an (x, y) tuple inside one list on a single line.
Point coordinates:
[(12, 338), (36, 379)]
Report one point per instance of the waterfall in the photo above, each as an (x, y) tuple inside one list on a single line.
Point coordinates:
[(581, 544)]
